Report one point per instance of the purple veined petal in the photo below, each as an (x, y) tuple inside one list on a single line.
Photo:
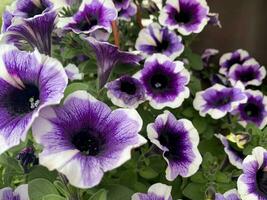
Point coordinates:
[(127, 13), (35, 32), (126, 92), (235, 157), (20, 193), (84, 138), (227, 60), (73, 72), (91, 16), (251, 184), (219, 100), (155, 39), (108, 56), (28, 82), (254, 110), (157, 191), (229, 195), (165, 81), (186, 16), (249, 73), (178, 139)]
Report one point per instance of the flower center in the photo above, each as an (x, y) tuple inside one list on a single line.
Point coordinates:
[(221, 101), (128, 87), (261, 178), (159, 81), (86, 143), (87, 23), (36, 10), (252, 110), (247, 76), (162, 46), (183, 16), (23, 101), (171, 141)]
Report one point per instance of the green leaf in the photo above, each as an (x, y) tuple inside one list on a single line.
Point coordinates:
[(74, 87), (53, 197), (148, 173), (222, 177), (99, 195), (39, 188), (41, 172), (194, 191), (11, 163), (118, 192)]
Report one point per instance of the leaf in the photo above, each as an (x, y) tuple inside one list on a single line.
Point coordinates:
[(41, 172), (118, 192), (99, 195), (74, 87), (38, 188), (11, 163), (53, 197), (194, 191), (148, 173)]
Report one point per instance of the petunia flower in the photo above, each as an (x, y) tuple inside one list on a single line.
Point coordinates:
[(218, 100), (235, 157), (227, 60), (157, 191), (121, 4), (252, 184), (93, 15), (207, 55), (84, 138), (28, 83), (126, 92), (73, 72), (126, 13), (178, 139), (155, 39), (229, 195), (214, 19), (108, 56), (164, 81), (254, 110), (249, 73), (187, 16), (20, 193)]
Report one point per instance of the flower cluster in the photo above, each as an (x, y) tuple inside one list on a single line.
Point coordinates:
[(96, 104)]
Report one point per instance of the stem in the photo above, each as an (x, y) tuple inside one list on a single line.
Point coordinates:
[(73, 195), (116, 33), (139, 16)]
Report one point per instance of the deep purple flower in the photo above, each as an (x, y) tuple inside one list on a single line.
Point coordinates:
[(254, 110), (126, 92), (30, 23), (20, 193), (214, 19), (121, 4), (127, 13), (92, 15), (157, 191), (252, 184), (235, 157), (108, 56), (187, 16), (73, 72), (178, 139), (155, 39), (164, 81), (207, 55), (28, 83), (229, 59), (218, 100), (249, 73), (27, 158), (84, 138), (229, 195)]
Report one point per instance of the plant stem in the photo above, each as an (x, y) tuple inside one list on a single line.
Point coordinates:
[(116, 33)]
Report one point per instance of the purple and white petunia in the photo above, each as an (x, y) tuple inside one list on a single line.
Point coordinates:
[(235, 157), (29, 23), (219, 100), (229, 59), (108, 56), (126, 91), (229, 195), (187, 16), (157, 39), (254, 110), (84, 138), (93, 15), (73, 72), (252, 184), (249, 73), (164, 81), (121, 4), (207, 55), (28, 83), (178, 139), (157, 191), (127, 13), (20, 193)]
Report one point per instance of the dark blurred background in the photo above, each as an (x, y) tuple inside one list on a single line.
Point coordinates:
[(244, 25)]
